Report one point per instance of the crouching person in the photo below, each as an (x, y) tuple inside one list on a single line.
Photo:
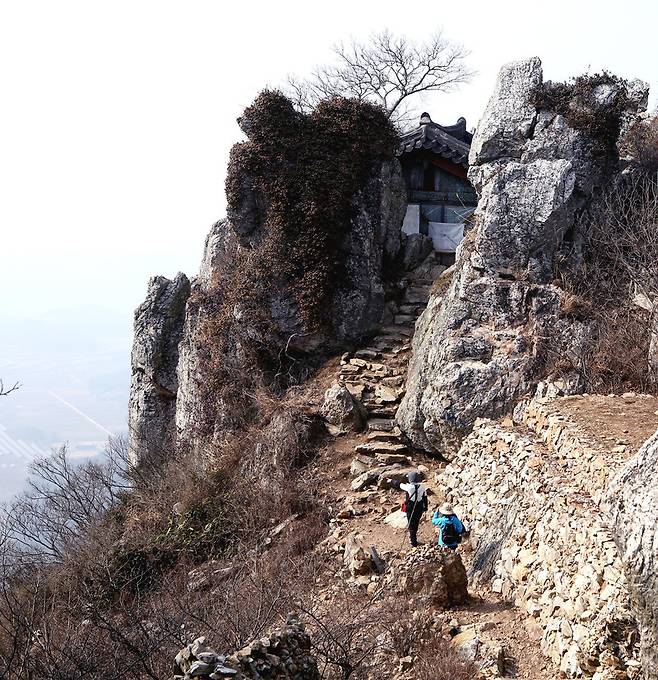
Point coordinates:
[(415, 503), (450, 527)]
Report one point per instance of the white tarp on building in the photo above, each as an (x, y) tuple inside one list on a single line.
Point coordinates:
[(411, 224), (446, 237)]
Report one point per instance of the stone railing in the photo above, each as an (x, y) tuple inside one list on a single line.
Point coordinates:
[(541, 541)]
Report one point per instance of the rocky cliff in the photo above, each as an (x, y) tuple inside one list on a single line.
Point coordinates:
[(159, 322), (502, 323), (245, 312), (275, 297)]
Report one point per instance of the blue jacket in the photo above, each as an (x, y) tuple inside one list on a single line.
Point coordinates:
[(441, 521)]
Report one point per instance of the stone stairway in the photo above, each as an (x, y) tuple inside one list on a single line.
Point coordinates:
[(375, 375)]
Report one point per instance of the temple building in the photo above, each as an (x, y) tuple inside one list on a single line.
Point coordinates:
[(434, 161)]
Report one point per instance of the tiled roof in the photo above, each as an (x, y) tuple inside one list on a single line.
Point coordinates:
[(451, 142)]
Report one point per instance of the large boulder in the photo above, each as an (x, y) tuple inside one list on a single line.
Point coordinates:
[(341, 411), (434, 575), (632, 501), (502, 326), (158, 329), (356, 557), (509, 117)]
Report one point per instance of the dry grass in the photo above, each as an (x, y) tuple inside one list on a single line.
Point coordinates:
[(437, 660)]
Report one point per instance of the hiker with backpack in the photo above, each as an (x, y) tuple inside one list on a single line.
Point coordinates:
[(450, 526), (415, 503)]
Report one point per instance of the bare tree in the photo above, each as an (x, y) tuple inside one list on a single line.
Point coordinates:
[(625, 224), (62, 503), (387, 70)]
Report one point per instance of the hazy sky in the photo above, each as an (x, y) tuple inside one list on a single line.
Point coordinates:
[(117, 116)]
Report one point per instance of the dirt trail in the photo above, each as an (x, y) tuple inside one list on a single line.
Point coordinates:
[(375, 375), (502, 621)]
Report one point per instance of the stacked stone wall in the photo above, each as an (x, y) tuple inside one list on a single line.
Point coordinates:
[(570, 447), (541, 540)]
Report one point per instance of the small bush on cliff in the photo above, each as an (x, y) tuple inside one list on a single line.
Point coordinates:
[(585, 105)]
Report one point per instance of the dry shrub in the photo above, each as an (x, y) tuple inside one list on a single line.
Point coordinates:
[(576, 307), (617, 359), (577, 101), (618, 237), (112, 600), (66, 632), (438, 660), (640, 143), (350, 633), (259, 479), (306, 170)]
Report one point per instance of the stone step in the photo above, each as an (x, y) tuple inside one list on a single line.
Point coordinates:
[(396, 331), (412, 310), (392, 459), (381, 424), (383, 395), (367, 353), (424, 281), (384, 436), (379, 411), (355, 389), (380, 447), (388, 345), (420, 295), (404, 320), (393, 381), (372, 405)]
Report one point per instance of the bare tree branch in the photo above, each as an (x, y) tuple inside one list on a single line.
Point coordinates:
[(388, 70), (4, 391)]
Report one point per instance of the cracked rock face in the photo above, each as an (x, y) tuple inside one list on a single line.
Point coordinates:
[(158, 329), (500, 326), (632, 502), (220, 244), (357, 304), (374, 238)]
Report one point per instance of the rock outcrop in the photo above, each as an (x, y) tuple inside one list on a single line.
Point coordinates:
[(284, 654), (341, 411), (435, 576), (501, 325), (220, 246), (355, 306), (632, 501), (373, 240), (159, 322)]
